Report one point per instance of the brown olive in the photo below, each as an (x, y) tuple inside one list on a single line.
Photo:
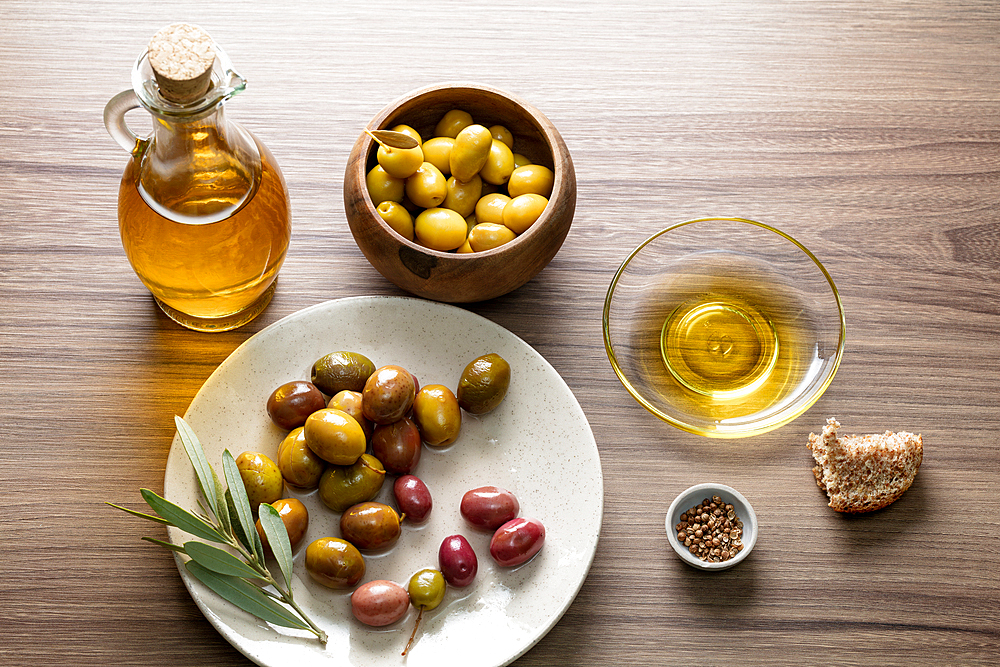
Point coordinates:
[(350, 402), (483, 384), (437, 415), (341, 370), (335, 563), (335, 436), (370, 525), (294, 515), (290, 404), (261, 477), (298, 464), (388, 394), (397, 446), (343, 486)]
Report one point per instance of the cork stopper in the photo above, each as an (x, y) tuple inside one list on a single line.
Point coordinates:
[(181, 56)]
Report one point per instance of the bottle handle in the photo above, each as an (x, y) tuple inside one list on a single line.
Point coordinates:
[(114, 120)]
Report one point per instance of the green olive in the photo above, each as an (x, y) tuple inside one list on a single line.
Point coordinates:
[(350, 402), (520, 160), (463, 195), (490, 208), (522, 211), (298, 464), (483, 384), (343, 486), (426, 589), (499, 164), (383, 187), (400, 162), (489, 235), (335, 436), (533, 178), (406, 129), (294, 515), (440, 229), (437, 415), (427, 187), (437, 151), (261, 477), (465, 248), (397, 217), (452, 123), (335, 563), (501, 133), (338, 371), (471, 150), (370, 525)]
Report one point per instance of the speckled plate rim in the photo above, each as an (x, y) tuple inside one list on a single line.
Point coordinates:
[(540, 427)]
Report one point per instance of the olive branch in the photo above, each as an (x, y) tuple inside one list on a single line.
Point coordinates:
[(242, 579)]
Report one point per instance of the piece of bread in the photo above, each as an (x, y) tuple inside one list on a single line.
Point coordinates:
[(864, 473)]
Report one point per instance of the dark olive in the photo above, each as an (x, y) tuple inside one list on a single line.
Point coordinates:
[(413, 498), (458, 561), (370, 525), (289, 405), (388, 394), (397, 446), (335, 563), (484, 384), (343, 486), (341, 370), (489, 507)]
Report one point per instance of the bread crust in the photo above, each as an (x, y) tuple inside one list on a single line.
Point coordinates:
[(864, 473)]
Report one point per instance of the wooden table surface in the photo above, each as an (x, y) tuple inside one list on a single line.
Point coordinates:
[(870, 131)]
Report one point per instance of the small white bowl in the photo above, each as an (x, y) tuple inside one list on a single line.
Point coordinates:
[(692, 497)]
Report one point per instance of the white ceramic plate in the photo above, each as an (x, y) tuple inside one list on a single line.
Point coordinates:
[(537, 444)]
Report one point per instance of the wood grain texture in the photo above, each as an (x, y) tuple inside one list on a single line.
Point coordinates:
[(868, 131)]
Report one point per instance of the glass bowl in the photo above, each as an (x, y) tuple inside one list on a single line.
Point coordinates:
[(724, 327)]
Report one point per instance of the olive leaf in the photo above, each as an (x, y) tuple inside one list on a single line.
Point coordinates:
[(277, 539), (219, 561), (181, 518), (242, 503), (232, 525), (246, 596), (141, 515), (393, 139), (202, 469)]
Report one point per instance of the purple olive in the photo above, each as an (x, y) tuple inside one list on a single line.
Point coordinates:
[(380, 602), (413, 498), (289, 405), (397, 446), (489, 507), (517, 541), (458, 561)]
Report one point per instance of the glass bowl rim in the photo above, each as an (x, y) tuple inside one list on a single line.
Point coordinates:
[(693, 428)]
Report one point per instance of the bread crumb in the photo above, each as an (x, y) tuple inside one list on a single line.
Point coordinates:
[(864, 473)]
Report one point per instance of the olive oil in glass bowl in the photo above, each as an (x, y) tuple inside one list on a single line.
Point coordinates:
[(724, 327)]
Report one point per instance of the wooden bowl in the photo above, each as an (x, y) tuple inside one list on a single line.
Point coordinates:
[(448, 276)]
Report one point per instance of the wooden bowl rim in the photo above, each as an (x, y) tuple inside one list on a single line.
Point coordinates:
[(546, 128)]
